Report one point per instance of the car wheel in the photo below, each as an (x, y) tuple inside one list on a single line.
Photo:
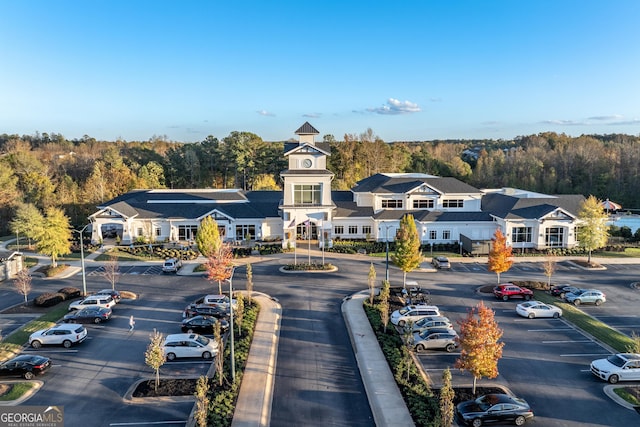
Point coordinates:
[(561, 295), (577, 302), (527, 297), (66, 343), (420, 348), (189, 331), (598, 301), (613, 379), (401, 323), (556, 315), (477, 422), (28, 375), (519, 421), (449, 348), (97, 320), (505, 298), (171, 356), (36, 344), (531, 316), (206, 355)]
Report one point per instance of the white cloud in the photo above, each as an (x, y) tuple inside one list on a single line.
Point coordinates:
[(312, 115), (394, 106), (265, 113)]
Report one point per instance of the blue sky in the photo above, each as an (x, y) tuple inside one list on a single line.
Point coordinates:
[(409, 70)]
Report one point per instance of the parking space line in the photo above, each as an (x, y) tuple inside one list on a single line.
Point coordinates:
[(149, 423), (585, 354), (564, 341), (550, 330)]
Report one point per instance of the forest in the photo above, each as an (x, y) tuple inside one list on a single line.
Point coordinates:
[(47, 170)]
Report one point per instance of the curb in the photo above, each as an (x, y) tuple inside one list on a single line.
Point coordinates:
[(33, 390)]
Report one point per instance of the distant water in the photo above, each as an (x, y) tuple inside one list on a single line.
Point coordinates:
[(631, 221)]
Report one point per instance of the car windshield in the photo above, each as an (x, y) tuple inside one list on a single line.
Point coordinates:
[(616, 360), (202, 340)]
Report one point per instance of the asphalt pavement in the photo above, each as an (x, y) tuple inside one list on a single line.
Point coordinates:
[(254, 402)]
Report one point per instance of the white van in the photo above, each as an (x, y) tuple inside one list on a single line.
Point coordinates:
[(189, 345)]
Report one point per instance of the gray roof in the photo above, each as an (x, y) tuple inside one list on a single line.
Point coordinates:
[(434, 216), (346, 207), (150, 204), (381, 183), (307, 129), (510, 207)]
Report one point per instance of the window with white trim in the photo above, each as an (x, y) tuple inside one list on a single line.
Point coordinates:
[(307, 194), (446, 234), (520, 234), (338, 229), (453, 203), (433, 234), (391, 204), (366, 229), (423, 204), (353, 229)]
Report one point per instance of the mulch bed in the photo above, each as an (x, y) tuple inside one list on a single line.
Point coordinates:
[(167, 387)]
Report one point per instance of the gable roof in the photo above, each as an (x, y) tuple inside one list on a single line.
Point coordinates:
[(190, 204), (321, 147), (347, 208), (307, 129), (404, 183), (510, 207)]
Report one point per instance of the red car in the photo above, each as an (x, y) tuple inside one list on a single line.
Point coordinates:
[(509, 290)]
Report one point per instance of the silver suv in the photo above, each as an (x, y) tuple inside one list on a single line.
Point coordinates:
[(65, 334), (171, 265)]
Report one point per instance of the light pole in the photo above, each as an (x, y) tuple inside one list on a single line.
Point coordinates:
[(386, 272), (233, 362), (84, 277)]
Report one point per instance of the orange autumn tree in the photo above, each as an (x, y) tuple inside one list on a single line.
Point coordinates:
[(480, 348), (500, 254), (220, 265)]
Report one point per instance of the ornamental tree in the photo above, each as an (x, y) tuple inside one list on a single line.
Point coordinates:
[(593, 232), (407, 256), (500, 255), (219, 265), (154, 357), (480, 348)]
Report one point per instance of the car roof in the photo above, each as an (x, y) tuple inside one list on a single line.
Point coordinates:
[(70, 326), (26, 357), (181, 337), (630, 356)]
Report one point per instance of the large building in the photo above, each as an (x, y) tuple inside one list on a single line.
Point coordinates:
[(445, 209)]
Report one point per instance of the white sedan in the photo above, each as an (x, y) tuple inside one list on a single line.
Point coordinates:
[(533, 309)]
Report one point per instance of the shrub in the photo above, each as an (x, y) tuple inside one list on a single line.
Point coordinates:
[(70, 292), (48, 299)]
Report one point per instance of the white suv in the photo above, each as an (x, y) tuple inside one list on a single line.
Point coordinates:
[(617, 367), (65, 334), (412, 313), (221, 301), (189, 345), (93, 301), (171, 265)]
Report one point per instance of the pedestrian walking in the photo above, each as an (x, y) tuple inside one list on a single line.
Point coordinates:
[(131, 323)]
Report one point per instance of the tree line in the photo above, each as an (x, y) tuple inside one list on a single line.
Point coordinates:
[(47, 170)]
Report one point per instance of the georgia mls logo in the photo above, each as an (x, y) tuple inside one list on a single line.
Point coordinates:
[(32, 416)]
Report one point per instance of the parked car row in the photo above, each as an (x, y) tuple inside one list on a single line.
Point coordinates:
[(577, 296)]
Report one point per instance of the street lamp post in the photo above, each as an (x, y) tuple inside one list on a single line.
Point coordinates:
[(386, 272), (84, 277), (233, 362)]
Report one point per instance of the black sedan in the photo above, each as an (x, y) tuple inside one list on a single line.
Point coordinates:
[(26, 366), (206, 310), (88, 315), (203, 325), (494, 408)]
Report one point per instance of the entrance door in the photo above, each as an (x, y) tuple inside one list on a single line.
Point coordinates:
[(302, 231)]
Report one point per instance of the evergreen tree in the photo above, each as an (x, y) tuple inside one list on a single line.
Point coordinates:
[(593, 231), (208, 237), (447, 394), (407, 256), (54, 235)]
